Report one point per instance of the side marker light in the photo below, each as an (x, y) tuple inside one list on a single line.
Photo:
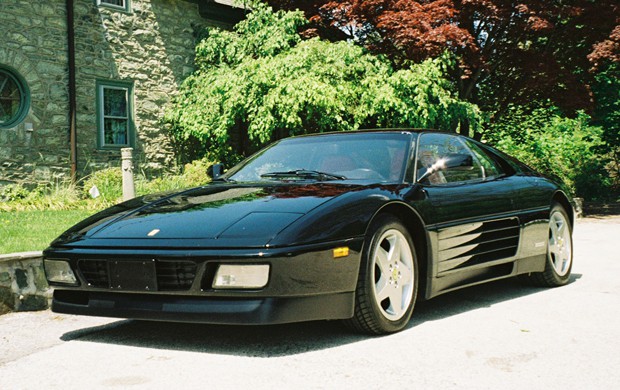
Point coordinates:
[(341, 252)]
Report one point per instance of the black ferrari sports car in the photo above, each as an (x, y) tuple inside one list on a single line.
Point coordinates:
[(353, 226)]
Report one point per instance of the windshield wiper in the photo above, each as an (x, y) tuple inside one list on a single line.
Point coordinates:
[(305, 174), (224, 179)]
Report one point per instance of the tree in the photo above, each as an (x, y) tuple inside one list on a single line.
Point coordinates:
[(261, 82), (607, 50), (510, 52), (605, 60), (606, 91)]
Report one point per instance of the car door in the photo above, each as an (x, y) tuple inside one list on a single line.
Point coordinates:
[(470, 209)]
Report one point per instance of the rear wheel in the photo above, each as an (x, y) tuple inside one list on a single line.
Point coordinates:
[(388, 279), (559, 252)]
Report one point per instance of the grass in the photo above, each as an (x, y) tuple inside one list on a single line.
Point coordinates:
[(31, 218), (23, 231)]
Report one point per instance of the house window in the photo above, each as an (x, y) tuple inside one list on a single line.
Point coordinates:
[(115, 114), (14, 98), (123, 5)]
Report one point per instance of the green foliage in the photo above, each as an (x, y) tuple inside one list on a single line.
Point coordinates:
[(607, 115), (556, 146), (263, 33), (194, 174), (60, 195), (108, 181), (420, 96), (261, 83), (12, 193), (67, 196)]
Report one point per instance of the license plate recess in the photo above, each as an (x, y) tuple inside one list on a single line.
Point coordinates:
[(133, 275)]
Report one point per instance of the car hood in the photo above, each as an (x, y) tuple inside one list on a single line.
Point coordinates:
[(218, 215)]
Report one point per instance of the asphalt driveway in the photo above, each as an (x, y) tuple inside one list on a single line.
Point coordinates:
[(501, 335)]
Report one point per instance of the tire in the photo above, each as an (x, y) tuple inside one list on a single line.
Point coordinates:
[(387, 284), (559, 252)]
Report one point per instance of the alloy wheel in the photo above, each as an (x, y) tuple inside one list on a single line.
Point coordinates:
[(560, 244), (393, 274)]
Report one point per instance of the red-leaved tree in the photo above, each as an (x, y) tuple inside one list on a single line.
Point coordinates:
[(509, 51)]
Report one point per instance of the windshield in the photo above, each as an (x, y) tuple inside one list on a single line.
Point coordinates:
[(347, 156)]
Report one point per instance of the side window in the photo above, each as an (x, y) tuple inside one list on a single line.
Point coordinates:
[(436, 146), (14, 98), (114, 115), (120, 5), (490, 167)]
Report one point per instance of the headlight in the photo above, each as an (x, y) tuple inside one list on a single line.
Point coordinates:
[(59, 271), (241, 276)]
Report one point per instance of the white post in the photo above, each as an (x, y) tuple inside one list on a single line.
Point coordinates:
[(129, 191)]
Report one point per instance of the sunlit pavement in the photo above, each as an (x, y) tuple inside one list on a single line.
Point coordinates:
[(501, 335)]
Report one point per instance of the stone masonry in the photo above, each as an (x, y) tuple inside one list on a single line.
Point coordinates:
[(23, 286), (151, 46), (34, 44)]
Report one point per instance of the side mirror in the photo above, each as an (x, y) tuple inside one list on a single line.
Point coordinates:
[(216, 170), (450, 161), (458, 161)]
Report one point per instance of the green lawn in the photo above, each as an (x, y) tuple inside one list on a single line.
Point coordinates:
[(22, 231)]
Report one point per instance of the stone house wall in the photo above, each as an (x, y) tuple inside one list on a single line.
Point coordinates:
[(152, 47), (34, 44)]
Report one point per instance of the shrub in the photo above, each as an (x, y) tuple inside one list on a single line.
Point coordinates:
[(195, 173), (555, 145), (56, 196), (109, 182), (13, 192)]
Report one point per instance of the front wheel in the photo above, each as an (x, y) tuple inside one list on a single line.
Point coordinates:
[(388, 279)]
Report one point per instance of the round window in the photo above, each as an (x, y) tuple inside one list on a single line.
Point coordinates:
[(13, 98)]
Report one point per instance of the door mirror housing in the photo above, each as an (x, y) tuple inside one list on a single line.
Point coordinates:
[(458, 161), (215, 171), (450, 161)]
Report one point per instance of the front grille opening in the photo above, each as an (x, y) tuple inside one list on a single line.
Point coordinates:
[(175, 275), (95, 272), (171, 275)]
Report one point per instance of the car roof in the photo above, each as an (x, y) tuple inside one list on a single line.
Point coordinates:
[(377, 130)]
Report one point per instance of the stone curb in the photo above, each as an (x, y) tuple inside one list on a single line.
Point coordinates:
[(23, 286)]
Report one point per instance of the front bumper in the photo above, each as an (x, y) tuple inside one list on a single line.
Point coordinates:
[(305, 283), (230, 311)]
